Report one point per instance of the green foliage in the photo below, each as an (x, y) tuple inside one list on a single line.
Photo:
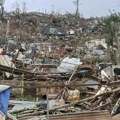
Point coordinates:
[(109, 26), (95, 59)]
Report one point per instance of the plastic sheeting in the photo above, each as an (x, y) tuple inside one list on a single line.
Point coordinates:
[(68, 64), (4, 99)]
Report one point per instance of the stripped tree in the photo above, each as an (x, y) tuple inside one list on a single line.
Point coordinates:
[(76, 3)]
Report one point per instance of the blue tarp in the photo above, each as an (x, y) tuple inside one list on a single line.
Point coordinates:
[(4, 100)]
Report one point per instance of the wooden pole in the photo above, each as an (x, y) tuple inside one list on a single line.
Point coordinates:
[(72, 74), (47, 104), (22, 85), (7, 33)]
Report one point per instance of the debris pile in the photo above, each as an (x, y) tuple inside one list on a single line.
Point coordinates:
[(59, 60), (82, 90)]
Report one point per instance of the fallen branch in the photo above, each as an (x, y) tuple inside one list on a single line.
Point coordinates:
[(96, 108)]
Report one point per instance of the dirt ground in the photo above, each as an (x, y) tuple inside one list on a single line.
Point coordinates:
[(116, 117)]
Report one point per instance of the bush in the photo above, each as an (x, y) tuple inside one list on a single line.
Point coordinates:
[(94, 59)]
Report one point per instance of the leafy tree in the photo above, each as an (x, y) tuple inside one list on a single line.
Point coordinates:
[(110, 28)]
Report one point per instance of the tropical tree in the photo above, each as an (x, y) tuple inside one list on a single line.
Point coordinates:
[(110, 29)]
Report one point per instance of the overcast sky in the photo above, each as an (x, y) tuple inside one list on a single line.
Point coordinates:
[(88, 8)]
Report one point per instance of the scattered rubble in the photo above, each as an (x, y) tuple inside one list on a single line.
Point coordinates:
[(58, 60)]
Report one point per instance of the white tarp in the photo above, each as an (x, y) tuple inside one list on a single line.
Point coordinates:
[(68, 64), (3, 88), (4, 100)]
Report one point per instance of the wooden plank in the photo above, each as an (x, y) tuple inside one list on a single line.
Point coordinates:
[(16, 71), (45, 65), (103, 115), (100, 115)]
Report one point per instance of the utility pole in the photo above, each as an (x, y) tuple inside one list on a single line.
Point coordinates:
[(53, 9), (7, 33), (76, 3)]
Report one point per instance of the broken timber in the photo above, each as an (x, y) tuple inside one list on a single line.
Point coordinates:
[(16, 71), (99, 115), (73, 103)]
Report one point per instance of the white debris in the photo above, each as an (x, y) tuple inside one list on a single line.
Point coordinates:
[(68, 64)]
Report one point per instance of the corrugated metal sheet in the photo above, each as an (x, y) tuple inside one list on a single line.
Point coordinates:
[(6, 61)]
